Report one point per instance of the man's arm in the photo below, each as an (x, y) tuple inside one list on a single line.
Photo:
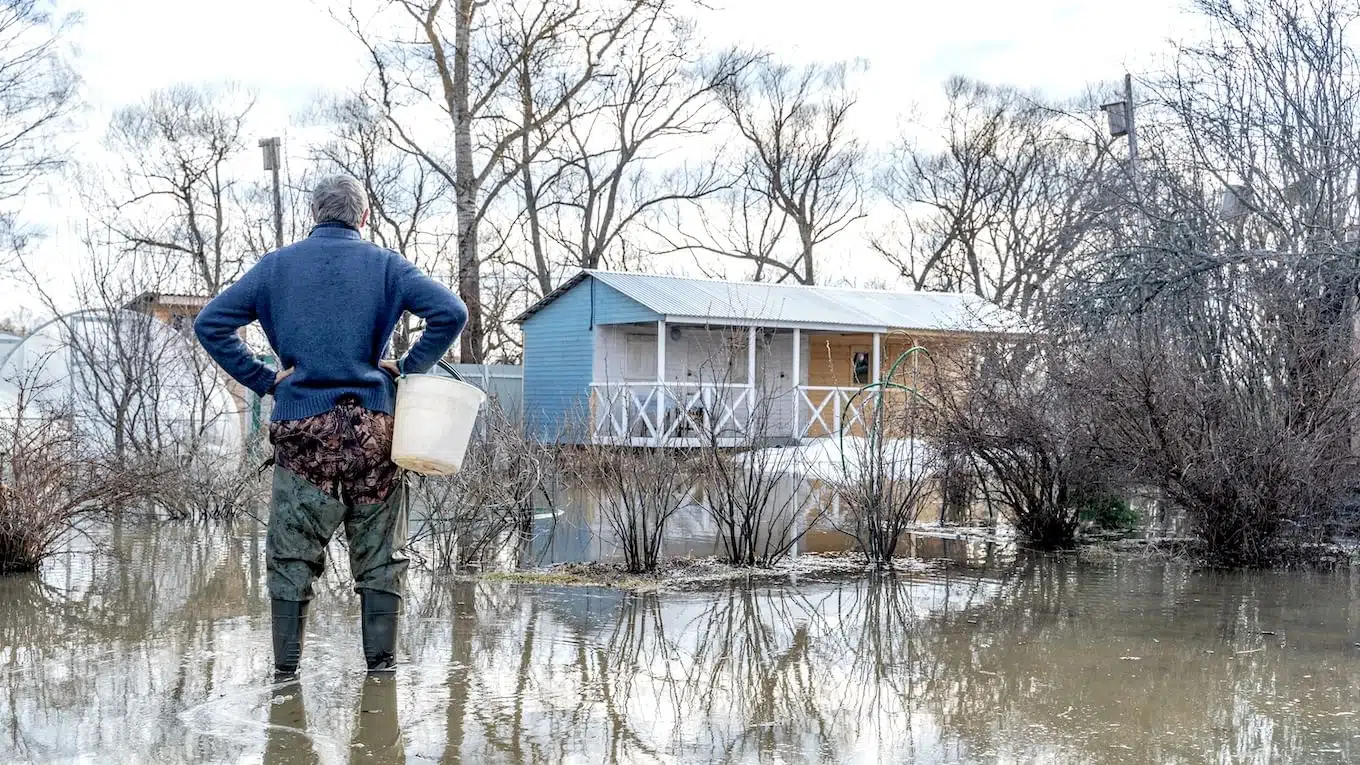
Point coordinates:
[(216, 327), (444, 313)]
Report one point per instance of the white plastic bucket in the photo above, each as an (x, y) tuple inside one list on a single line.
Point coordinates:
[(434, 423)]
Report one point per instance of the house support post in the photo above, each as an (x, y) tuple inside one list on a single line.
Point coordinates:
[(797, 379), (750, 380), (660, 391), (877, 376)]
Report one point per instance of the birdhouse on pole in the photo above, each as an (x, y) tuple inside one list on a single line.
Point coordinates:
[(271, 153), (1117, 112)]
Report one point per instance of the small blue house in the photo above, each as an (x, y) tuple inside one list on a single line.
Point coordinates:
[(648, 360)]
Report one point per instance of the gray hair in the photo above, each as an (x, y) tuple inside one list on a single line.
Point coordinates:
[(339, 198)]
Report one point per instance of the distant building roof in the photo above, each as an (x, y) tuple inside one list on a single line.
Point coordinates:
[(686, 300), (167, 299)]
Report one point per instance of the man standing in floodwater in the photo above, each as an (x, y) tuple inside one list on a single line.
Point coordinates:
[(328, 305)]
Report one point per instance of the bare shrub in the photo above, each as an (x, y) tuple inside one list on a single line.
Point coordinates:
[(885, 480), (638, 491), (211, 487), (482, 515), (50, 479), (1017, 416), (1252, 443), (757, 497)]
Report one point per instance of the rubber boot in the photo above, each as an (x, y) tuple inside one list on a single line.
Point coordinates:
[(289, 621), (379, 614)]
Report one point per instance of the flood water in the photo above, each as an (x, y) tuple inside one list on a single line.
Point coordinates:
[(156, 650)]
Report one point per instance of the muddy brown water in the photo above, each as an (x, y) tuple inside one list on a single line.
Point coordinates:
[(156, 650)]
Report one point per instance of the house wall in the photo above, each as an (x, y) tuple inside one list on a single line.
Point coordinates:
[(559, 355), (832, 355)]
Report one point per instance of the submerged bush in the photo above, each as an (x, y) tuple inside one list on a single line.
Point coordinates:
[(1106, 511), (49, 481), (483, 514), (638, 491)]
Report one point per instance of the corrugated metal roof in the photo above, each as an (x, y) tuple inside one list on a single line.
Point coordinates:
[(778, 305)]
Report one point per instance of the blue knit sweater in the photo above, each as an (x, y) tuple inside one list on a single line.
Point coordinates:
[(328, 305)]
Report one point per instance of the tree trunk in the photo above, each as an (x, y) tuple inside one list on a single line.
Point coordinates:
[(531, 207), (805, 234), (469, 268)]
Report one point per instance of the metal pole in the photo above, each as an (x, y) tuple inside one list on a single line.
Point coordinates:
[(278, 211), (1133, 130)]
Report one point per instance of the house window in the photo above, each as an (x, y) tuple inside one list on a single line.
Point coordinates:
[(860, 365)]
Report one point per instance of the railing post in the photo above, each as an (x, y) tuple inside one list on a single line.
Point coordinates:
[(750, 382), (835, 396)]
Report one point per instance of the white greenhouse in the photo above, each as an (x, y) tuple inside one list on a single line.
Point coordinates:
[(127, 382)]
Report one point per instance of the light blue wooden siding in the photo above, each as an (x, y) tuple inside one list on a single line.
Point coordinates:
[(559, 354), (614, 307)]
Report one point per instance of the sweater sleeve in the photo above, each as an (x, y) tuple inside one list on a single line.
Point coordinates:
[(444, 313), (217, 325)]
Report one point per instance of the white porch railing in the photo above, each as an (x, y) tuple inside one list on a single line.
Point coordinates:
[(671, 414), (822, 410)]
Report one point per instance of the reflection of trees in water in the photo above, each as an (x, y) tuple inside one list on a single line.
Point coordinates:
[(1026, 662), (139, 635), (752, 674), (1068, 652)]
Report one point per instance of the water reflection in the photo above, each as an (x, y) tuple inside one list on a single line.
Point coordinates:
[(158, 652)]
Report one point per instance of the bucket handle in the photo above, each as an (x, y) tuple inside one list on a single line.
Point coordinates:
[(444, 365)]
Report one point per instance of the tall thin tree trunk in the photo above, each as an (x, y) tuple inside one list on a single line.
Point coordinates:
[(806, 235), (531, 209), (469, 269)]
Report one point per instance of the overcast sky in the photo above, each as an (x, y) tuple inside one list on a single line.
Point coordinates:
[(290, 51)]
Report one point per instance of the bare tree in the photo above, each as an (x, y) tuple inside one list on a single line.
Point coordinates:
[(37, 94), (799, 160), (1017, 191), (141, 390), (468, 60), (607, 169), (1218, 338), (172, 198)]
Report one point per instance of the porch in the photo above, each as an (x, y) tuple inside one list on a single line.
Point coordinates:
[(683, 385)]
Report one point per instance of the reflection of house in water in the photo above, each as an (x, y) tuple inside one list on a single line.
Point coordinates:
[(574, 530)]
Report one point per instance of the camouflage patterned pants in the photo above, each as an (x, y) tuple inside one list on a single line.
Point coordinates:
[(301, 524)]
